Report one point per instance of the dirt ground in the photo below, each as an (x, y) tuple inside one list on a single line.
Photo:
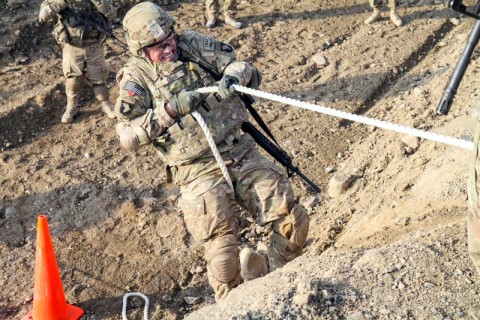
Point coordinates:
[(391, 246)]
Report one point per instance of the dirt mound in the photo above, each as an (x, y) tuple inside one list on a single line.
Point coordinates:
[(391, 246)]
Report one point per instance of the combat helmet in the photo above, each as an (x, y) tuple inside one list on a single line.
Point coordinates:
[(145, 24)]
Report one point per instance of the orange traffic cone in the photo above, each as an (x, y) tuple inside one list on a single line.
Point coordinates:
[(48, 297)]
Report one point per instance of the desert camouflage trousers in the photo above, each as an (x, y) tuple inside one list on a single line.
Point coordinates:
[(213, 8), (88, 61), (473, 218), (207, 204), (378, 3)]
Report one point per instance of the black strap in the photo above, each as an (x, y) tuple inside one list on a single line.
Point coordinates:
[(248, 100)]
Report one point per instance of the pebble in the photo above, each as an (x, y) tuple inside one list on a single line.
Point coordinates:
[(455, 21), (329, 169), (192, 300)]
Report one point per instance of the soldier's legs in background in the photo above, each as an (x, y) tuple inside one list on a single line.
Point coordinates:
[(393, 13), (102, 95), (263, 190), (209, 218), (376, 15), (230, 13), (473, 218), (212, 9), (96, 75), (73, 87), (73, 64)]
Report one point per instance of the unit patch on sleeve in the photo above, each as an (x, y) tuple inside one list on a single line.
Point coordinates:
[(133, 89), (226, 47)]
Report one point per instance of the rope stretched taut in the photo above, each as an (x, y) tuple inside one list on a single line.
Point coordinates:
[(352, 117), (214, 149)]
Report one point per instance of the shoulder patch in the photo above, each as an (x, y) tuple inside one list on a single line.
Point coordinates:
[(208, 43), (133, 88), (226, 47)]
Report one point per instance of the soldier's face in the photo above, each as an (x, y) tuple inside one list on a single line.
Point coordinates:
[(163, 51)]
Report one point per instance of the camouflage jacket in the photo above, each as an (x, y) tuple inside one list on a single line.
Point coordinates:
[(71, 28), (146, 87)]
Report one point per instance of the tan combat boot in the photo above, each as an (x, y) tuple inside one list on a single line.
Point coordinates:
[(71, 110), (395, 18), (211, 21), (231, 21), (376, 15), (253, 264), (108, 109)]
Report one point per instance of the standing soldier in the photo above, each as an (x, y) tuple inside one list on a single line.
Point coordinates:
[(229, 9), (473, 217), (377, 4), (83, 56), (156, 98)]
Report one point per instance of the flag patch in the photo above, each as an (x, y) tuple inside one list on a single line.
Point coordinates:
[(133, 89)]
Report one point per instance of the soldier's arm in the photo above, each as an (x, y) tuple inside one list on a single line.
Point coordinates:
[(140, 124), (106, 8), (50, 8), (220, 56)]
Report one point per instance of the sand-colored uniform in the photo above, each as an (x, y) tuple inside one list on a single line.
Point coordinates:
[(378, 3), (213, 8), (83, 55), (473, 217), (206, 199)]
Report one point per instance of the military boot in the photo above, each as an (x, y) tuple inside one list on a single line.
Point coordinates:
[(211, 21), (395, 18), (253, 264), (376, 15), (71, 110), (231, 21), (108, 109)]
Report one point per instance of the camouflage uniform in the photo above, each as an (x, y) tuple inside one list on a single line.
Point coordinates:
[(229, 9), (473, 218), (213, 8), (377, 4), (81, 58), (146, 89)]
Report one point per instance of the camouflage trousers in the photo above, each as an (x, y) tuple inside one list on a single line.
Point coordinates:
[(207, 204), (378, 3), (473, 218), (87, 63), (213, 8)]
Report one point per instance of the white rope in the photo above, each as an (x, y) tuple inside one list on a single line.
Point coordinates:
[(352, 117), (125, 302), (214, 149)]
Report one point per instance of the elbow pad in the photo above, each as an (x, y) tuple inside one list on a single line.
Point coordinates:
[(46, 13), (131, 137), (256, 79)]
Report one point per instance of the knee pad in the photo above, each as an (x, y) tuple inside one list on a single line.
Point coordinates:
[(293, 227), (222, 258), (101, 92)]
